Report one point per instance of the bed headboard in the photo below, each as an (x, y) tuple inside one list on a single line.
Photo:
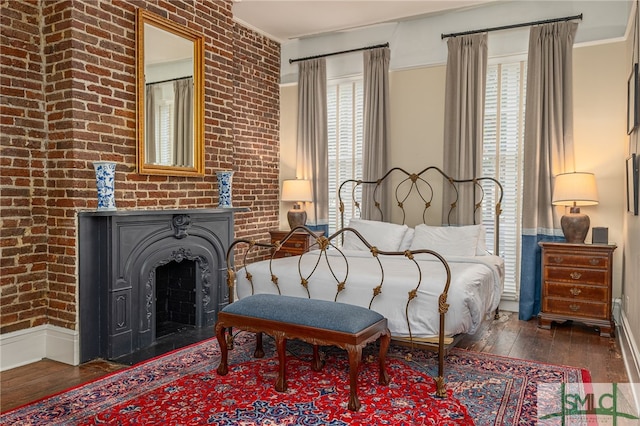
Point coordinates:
[(421, 191)]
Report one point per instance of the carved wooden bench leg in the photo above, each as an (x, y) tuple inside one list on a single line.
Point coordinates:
[(259, 352), (317, 363), (281, 345), (224, 351), (385, 340), (355, 354)]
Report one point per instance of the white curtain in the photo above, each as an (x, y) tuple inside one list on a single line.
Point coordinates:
[(183, 126), (311, 155), (463, 121), (151, 156), (548, 147), (376, 130)]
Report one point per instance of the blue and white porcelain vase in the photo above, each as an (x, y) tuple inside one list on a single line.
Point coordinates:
[(225, 178), (105, 184)]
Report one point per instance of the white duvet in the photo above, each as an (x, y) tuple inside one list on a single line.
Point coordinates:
[(474, 292)]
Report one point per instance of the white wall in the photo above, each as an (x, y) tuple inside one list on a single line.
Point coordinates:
[(631, 247), (417, 128), (417, 117), (288, 128), (600, 98), (417, 42)]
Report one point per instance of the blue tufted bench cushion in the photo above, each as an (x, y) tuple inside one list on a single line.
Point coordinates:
[(323, 314)]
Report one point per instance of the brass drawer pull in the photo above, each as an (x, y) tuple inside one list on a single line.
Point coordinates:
[(575, 291), (576, 275), (594, 261), (574, 307), (558, 259)]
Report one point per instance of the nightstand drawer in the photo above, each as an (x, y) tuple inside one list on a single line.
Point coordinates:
[(577, 275), (293, 249), (297, 243), (574, 291), (578, 308), (285, 254), (292, 244), (565, 259)]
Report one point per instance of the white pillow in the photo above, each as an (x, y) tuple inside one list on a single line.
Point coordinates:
[(405, 244), (383, 235), (482, 249), (447, 240)]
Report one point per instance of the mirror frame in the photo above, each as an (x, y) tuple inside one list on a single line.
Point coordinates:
[(145, 17)]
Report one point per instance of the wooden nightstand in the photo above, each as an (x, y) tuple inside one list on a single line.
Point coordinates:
[(576, 285), (297, 244)]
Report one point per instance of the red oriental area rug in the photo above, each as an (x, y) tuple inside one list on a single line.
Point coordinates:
[(183, 388)]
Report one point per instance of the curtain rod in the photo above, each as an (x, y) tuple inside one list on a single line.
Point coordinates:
[(167, 81), (339, 53), (508, 27)]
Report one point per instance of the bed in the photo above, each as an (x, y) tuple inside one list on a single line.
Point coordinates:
[(433, 283)]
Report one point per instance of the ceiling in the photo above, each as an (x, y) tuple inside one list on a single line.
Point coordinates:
[(293, 19)]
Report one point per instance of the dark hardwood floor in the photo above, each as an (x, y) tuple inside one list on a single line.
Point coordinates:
[(568, 344)]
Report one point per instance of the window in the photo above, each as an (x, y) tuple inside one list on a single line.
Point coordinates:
[(164, 133), (164, 113), (345, 101), (503, 159)]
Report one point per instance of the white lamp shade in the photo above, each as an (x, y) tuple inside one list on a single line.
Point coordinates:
[(296, 190), (575, 189)]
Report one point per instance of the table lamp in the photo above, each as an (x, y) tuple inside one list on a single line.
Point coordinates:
[(575, 189), (298, 191)]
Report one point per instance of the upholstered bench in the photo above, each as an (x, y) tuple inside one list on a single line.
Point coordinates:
[(318, 322)]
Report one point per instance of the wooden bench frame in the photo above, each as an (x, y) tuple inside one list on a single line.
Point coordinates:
[(282, 331)]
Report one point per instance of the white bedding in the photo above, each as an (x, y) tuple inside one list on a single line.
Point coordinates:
[(474, 293)]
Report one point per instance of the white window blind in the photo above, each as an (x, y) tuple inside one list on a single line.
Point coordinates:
[(164, 133), (345, 132), (503, 159), (164, 124)]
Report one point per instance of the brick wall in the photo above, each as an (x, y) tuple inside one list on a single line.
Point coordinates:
[(68, 99), (23, 190), (257, 156)]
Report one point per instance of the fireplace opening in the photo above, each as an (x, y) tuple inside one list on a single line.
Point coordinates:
[(175, 297)]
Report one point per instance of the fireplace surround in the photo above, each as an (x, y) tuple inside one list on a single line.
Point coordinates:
[(119, 254)]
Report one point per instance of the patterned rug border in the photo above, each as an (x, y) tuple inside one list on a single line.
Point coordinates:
[(109, 375), (202, 357), (586, 374)]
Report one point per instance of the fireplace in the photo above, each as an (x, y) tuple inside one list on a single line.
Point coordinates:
[(144, 275)]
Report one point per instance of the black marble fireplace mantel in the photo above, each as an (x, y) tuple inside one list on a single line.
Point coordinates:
[(118, 253)]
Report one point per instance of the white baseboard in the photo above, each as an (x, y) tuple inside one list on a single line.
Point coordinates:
[(23, 347), (631, 354), (509, 305)]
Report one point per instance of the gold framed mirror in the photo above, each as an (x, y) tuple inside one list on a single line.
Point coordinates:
[(169, 97)]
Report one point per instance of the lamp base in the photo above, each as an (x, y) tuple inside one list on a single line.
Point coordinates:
[(296, 217), (575, 226)]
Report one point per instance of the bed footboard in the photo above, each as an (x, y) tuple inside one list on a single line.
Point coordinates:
[(327, 264)]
